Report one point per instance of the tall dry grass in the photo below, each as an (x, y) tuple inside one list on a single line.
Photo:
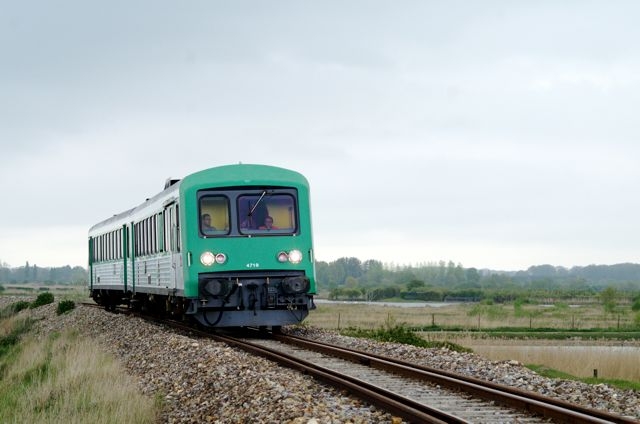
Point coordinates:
[(611, 362), (69, 379)]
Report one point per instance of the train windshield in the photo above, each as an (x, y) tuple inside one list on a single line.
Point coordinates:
[(214, 215), (266, 212)]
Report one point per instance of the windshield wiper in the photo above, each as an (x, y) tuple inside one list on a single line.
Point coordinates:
[(257, 203)]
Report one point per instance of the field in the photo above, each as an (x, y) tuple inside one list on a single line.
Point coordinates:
[(574, 339)]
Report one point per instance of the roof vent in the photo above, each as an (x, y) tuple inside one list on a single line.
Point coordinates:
[(170, 182)]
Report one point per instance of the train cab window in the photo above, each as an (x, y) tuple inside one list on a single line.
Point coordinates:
[(267, 213), (214, 215)]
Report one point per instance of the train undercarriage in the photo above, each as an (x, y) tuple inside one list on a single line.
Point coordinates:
[(226, 300)]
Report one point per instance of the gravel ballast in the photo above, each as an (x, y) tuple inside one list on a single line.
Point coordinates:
[(205, 381)]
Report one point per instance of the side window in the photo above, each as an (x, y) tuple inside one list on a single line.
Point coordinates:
[(267, 214), (171, 229), (214, 215), (160, 225), (168, 213)]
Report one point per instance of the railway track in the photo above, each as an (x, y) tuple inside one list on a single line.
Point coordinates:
[(415, 393), (421, 394)]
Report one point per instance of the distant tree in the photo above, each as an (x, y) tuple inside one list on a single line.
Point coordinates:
[(79, 275), (609, 297), (5, 274), (352, 294), (380, 293), (413, 285), (405, 275), (455, 274), (351, 282), (335, 293), (636, 304), (373, 272), (473, 277), (542, 271)]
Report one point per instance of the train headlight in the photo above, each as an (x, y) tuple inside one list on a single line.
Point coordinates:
[(295, 256), (207, 258), (221, 258), (283, 257)]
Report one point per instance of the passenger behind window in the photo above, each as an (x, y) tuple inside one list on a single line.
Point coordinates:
[(268, 224), (206, 224), (247, 223)]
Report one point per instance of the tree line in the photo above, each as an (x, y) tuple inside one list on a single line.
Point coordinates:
[(350, 278), (47, 275)]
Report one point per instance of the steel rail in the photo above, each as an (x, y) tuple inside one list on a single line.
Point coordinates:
[(387, 400), (558, 410)]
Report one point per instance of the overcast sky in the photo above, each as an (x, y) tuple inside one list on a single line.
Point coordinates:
[(494, 134)]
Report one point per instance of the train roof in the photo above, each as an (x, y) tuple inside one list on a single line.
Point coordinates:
[(245, 174), (220, 176)]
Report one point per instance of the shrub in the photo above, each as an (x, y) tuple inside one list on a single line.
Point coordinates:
[(401, 334), (42, 299), (20, 305), (16, 329), (65, 306), (13, 309)]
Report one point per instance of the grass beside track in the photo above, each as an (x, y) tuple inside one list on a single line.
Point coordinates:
[(64, 378), (551, 373)]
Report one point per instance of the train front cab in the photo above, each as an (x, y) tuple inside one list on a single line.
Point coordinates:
[(250, 256)]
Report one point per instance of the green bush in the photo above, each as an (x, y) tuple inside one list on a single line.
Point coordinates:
[(65, 306), (401, 334), (11, 339), (20, 305), (13, 309), (42, 299)]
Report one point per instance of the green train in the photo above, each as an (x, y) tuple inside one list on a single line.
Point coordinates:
[(230, 246)]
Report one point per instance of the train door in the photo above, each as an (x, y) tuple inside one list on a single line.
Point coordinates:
[(91, 263), (133, 238), (171, 236), (124, 248)]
